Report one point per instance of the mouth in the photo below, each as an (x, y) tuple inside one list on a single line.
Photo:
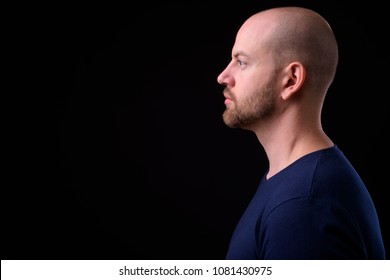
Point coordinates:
[(228, 98)]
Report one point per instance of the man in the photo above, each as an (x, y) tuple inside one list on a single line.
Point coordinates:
[(311, 203)]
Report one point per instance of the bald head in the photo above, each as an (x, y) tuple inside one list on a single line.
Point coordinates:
[(297, 34)]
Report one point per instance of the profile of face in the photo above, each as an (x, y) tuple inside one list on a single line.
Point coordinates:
[(242, 110), (249, 81)]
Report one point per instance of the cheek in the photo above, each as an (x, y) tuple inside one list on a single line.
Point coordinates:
[(251, 80), (247, 86), (245, 79)]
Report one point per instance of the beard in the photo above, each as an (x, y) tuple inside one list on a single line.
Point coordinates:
[(257, 105)]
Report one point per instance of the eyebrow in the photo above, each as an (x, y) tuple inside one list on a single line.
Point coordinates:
[(240, 53)]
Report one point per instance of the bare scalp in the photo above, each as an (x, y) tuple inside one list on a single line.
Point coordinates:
[(300, 34)]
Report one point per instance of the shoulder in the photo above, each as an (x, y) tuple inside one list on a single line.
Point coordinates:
[(309, 209), (306, 227)]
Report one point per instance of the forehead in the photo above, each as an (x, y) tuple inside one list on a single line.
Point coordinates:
[(251, 38)]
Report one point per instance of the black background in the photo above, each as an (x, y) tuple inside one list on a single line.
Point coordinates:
[(118, 149)]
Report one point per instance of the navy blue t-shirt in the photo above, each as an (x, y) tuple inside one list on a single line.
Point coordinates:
[(316, 208)]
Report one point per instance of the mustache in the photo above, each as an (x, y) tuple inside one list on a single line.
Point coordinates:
[(228, 93)]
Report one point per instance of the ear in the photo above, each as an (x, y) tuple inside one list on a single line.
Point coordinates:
[(295, 74)]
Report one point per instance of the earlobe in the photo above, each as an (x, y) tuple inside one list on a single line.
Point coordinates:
[(293, 80)]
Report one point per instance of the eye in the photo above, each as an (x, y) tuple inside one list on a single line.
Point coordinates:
[(241, 63)]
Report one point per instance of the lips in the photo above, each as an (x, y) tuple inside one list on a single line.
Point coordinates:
[(228, 98)]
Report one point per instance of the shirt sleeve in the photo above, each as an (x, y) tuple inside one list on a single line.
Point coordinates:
[(306, 228)]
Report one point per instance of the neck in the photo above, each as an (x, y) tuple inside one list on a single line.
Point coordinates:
[(290, 141)]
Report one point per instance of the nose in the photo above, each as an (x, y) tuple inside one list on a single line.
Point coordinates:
[(221, 78), (224, 78)]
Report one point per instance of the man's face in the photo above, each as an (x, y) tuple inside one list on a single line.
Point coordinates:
[(246, 109), (249, 79)]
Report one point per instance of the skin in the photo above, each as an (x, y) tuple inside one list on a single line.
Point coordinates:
[(283, 62)]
